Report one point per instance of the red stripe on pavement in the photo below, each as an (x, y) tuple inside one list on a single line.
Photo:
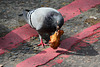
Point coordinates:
[(16, 36), (2, 51), (49, 53), (76, 7)]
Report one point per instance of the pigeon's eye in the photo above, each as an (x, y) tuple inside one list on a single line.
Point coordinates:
[(52, 15), (50, 18)]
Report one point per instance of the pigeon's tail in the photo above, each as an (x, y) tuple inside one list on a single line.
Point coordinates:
[(25, 12)]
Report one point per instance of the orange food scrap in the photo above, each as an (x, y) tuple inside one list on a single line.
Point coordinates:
[(55, 39)]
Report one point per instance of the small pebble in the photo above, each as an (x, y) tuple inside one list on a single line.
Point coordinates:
[(25, 44), (34, 38), (93, 17), (24, 51), (16, 53), (75, 31), (29, 45), (13, 57), (9, 55), (27, 48), (23, 48)]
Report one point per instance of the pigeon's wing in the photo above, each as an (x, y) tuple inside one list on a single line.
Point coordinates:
[(39, 16)]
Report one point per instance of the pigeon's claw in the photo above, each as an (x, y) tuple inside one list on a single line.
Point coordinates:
[(41, 43)]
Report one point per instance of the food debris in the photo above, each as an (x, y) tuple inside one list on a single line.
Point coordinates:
[(55, 39)]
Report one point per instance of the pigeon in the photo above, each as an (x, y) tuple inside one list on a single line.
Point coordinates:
[(44, 20)]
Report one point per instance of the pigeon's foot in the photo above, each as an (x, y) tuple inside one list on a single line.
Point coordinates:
[(41, 43)]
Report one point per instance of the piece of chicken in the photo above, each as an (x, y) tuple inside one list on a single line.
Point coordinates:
[(55, 39)]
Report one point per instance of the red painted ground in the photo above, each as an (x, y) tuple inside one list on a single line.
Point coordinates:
[(75, 7), (49, 53), (22, 33), (16, 36)]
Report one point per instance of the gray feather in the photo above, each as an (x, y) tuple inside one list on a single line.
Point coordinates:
[(44, 19)]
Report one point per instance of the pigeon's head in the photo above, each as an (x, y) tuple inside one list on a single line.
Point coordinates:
[(59, 23), (53, 20), (57, 19)]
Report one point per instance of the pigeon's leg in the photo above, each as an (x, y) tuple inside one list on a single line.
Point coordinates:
[(41, 41)]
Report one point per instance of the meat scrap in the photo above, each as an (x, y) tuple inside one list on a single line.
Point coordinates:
[(54, 41)]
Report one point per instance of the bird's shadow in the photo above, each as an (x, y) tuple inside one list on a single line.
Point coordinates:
[(85, 49), (81, 48)]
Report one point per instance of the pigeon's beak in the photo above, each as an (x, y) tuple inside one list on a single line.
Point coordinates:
[(57, 28)]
